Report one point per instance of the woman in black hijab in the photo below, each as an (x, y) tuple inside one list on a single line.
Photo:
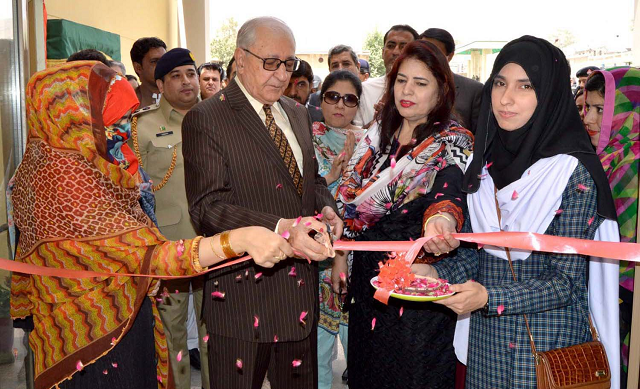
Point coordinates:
[(534, 161)]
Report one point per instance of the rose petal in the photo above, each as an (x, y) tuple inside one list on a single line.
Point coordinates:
[(582, 188), (319, 216), (292, 272), (239, 278), (438, 195), (218, 295), (388, 205), (373, 323), (257, 276), (591, 220), (401, 311), (404, 211), (500, 309), (393, 162), (488, 165), (286, 234), (307, 224), (79, 365), (279, 186), (275, 338), (114, 364), (105, 372), (512, 345), (239, 364), (113, 341), (559, 211), (205, 338), (256, 321), (159, 378), (343, 277), (303, 316), (445, 185), (179, 356), (296, 363), (300, 283), (514, 195), (295, 223)]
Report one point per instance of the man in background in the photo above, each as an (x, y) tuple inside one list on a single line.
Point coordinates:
[(468, 91), (394, 41), (88, 55), (299, 87), (365, 71), (583, 74), (145, 54), (211, 75), (118, 67)]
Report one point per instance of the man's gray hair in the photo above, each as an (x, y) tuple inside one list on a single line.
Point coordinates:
[(247, 33), (339, 49)]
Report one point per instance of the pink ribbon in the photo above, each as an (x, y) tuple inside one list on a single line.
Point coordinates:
[(516, 240)]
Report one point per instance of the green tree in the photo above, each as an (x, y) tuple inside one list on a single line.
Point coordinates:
[(224, 44), (374, 43)]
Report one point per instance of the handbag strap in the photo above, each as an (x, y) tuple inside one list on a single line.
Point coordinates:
[(594, 333)]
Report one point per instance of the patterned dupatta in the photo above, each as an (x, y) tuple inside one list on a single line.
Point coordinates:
[(619, 151), (76, 209), (367, 193)]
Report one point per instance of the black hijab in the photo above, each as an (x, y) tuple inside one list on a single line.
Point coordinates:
[(554, 128)]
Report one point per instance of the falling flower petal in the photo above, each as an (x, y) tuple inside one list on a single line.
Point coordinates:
[(286, 234), (373, 323), (296, 363), (205, 338), (257, 276), (113, 341), (179, 356), (159, 378), (218, 295), (393, 162), (105, 372), (582, 188), (317, 108), (307, 224), (482, 176), (79, 365), (177, 291), (445, 185), (246, 274), (500, 309), (591, 220), (275, 338), (159, 300), (414, 141), (303, 316), (256, 321), (480, 246), (512, 345), (114, 364), (292, 272), (295, 223), (239, 278), (401, 311), (514, 195), (300, 283), (319, 216), (458, 198), (239, 364), (438, 195), (343, 277), (297, 104), (388, 205), (436, 123), (559, 211), (180, 247), (404, 211), (279, 186), (488, 165)]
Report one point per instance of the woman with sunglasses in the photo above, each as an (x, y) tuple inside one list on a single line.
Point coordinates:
[(334, 141), (404, 181)]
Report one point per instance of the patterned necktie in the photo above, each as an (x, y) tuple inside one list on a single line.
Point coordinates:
[(284, 148)]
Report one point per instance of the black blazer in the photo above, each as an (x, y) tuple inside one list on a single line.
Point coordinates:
[(235, 177), (467, 105)]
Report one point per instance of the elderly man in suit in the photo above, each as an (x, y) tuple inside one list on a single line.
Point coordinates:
[(468, 91), (249, 160)]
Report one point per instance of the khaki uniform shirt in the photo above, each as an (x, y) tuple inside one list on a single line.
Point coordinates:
[(159, 133)]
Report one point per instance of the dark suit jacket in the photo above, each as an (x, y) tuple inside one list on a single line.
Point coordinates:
[(468, 96), (235, 177)]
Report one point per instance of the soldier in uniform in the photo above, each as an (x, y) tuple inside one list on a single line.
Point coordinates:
[(157, 140)]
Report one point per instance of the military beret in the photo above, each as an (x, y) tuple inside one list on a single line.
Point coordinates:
[(171, 60)]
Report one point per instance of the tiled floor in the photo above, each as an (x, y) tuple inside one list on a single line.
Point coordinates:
[(12, 375)]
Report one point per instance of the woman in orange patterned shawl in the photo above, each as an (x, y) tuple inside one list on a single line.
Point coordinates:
[(76, 205)]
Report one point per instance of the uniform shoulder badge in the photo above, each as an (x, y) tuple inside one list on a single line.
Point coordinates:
[(139, 112)]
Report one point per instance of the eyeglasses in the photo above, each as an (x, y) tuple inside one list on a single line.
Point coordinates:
[(333, 98), (273, 64)]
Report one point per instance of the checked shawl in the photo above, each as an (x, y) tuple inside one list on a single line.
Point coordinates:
[(76, 210)]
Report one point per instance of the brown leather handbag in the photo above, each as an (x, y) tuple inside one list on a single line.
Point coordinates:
[(583, 365)]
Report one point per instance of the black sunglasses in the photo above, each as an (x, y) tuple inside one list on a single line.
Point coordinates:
[(349, 100), (272, 64)]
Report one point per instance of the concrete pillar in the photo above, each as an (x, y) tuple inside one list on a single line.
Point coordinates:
[(196, 21)]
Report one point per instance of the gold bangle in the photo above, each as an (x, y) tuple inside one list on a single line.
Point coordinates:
[(424, 227), (214, 250), (195, 255), (226, 246)]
